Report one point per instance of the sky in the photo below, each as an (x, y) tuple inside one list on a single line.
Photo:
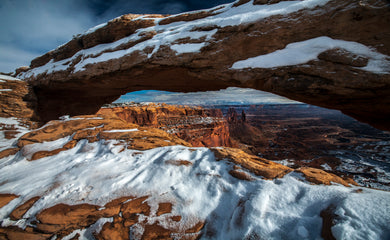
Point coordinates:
[(229, 96), (30, 28)]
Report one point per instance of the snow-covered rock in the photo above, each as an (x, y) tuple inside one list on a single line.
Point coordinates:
[(329, 53)]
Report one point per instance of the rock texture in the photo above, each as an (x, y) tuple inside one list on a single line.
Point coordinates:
[(94, 128), (62, 219), (334, 80), (196, 125), (16, 100)]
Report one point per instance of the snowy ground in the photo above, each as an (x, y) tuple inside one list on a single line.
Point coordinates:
[(287, 208)]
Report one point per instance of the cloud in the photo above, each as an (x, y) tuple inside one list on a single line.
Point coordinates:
[(37, 26), (12, 57)]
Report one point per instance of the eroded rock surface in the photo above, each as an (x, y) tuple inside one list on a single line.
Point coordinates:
[(199, 126), (204, 46), (16, 101)]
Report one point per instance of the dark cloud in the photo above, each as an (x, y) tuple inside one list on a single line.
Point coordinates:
[(32, 27)]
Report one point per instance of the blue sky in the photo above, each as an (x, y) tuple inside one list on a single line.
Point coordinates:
[(229, 96), (30, 28)]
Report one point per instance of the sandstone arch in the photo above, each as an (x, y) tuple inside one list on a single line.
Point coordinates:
[(196, 51)]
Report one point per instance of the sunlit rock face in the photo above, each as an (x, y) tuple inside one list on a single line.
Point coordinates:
[(199, 126), (328, 53)]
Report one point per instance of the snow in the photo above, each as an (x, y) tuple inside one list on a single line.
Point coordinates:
[(326, 167), (10, 122), (187, 48), (229, 96), (286, 208), (167, 35), (93, 29), (305, 51), (5, 90), (6, 77)]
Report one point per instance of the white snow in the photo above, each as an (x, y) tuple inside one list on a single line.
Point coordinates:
[(6, 77), (10, 122), (167, 35), (305, 51), (286, 208), (5, 90), (187, 48), (93, 29), (326, 167)]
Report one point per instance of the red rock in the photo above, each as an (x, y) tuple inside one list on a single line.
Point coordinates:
[(178, 162), (164, 208), (344, 57), (8, 152), (198, 126), (6, 198), (18, 103), (328, 221), (254, 164), (14, 233), (64, 218), (18, 212), (136, 206), (241, 175), (42, 154), (156, 232), (113, 231), (319, 176)]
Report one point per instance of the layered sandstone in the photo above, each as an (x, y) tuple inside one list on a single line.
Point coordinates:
[(199, 126), (16, 100), (337, 78)]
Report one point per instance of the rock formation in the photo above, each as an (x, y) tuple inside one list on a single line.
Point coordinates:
[(198, 126), (16, 99), (224, 46), (133, 172)]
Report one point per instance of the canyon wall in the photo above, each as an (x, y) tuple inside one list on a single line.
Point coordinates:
[(198, 126)]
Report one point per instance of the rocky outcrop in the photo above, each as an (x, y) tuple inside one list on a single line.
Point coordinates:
[(16, 100), (62, 219), (198, 51), (196, 125), (94, 128)]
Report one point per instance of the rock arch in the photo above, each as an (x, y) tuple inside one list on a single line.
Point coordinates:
[(337, 51)]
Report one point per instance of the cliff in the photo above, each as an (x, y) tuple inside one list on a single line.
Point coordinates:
[(328, 53), (198, 126)]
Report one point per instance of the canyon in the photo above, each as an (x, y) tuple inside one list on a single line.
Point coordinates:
[(74, 165)]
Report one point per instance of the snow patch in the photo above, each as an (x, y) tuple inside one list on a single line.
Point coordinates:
[(305, 51), (187, 48), (6, 77), (93, 29)]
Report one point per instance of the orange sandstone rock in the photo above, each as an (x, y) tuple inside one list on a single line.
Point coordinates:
[(254, 164), (319, 176)]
